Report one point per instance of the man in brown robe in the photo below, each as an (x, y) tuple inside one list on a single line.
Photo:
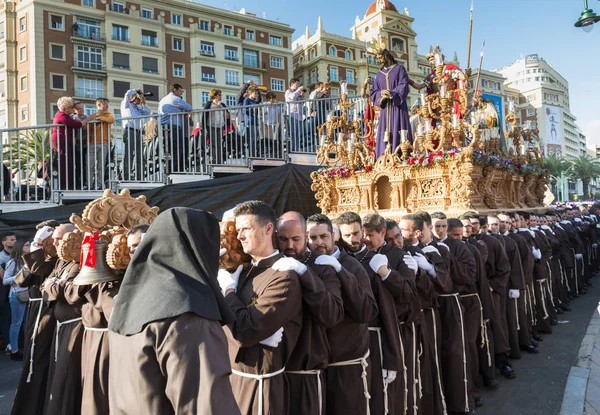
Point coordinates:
[(566, 260), (168, 350), (64, 375), (267, 304), (31, 391), (322, 309), (349, 367), (384, 342)]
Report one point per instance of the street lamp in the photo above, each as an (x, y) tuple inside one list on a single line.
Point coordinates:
[(587, 19)]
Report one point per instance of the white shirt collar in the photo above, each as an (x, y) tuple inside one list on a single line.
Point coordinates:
[(272, 255), (336, 253)]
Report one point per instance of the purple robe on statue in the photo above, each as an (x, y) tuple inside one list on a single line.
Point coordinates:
[(399, 120)]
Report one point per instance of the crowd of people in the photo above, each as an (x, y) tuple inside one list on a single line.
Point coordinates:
[(350, 315)]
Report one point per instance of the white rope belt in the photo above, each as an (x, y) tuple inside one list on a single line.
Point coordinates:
[(437, 362), (363, 362), (261, 379), (414, 368), (404, 369), (58, 325), (385, 395), (549, 285), (319, 386), (530, 304), (564, 278), (576, 272), (485, 341), (517, 313), (464, 350), (35, 328), (86, 328), (541, 282)]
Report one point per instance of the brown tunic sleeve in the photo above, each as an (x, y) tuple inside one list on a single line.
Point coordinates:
[(462, 269), (500, 266), (322, 294), (359, 302), (517, 281), (55, 289), (401, 281), (39, 268), (442, 280)]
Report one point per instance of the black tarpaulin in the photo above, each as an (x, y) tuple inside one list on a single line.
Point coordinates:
[(284, 188)]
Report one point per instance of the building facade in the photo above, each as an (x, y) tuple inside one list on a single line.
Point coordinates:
[(101, 48)]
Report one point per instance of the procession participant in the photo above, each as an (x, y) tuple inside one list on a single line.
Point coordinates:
[(64, 375), (168, 351), (576, 247), (322, 308), (134, 237), (433, 280), (389, 92), (555, 278), (516, 283), (505, 221), (384, 344), (583, 229), (267, 304), (566, 261), (32, 388), (461, 268), (347, 373), (497, 270), (398, 270), (392, 234)]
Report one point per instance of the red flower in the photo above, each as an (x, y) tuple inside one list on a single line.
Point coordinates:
[(451, 154), (368, 168), (411, 161), (439, 154), (421, 159), (431, 158)]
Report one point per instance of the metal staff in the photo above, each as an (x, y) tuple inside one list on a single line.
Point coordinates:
[(479, 71), (470, 36)]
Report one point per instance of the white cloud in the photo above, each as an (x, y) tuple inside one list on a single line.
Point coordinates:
[(592, 132)]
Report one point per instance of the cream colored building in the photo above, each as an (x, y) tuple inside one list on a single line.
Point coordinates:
[(100, 48)]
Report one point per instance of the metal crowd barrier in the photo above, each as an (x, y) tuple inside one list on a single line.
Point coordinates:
[(147, 151)]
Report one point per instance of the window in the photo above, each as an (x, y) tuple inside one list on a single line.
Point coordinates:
[(176, 19), (231, 53), (147, 13), (89, 58), (232, 78), (231, 100), (251, 58), (57, 22), (89, 3), (312, 78), (350, 76), (277, 85), (537, 78), (333, 73), (24, 113), (178, 70), (120, 33), (253, 78), (149, 38), (149, 65), (335, 92), (120, 88), (88, 29), (118, 7), (530, 112), (2, 119), (313, 54), (57, 52), (227, 30), (2, 89), (205, 97), (23, 24), (331, 51), (204, 25), (349, 55), (177, 44), (121, 60), (23, 83), (208, 74), (23, 54), (397, 45), (153, 89), (207, 49), (90, 88), (275, 40), (58, 82), (276, 62), (249, 34)]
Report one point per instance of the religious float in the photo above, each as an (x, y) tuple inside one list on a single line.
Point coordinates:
[(459, 158)]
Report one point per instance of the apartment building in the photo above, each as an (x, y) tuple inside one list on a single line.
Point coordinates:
[(102, 48)]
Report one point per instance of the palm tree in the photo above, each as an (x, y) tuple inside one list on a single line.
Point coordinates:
[(25, 153), (584, 168), (556, 166)]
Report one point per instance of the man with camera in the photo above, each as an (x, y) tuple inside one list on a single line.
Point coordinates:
[(293, 94), (175, 128), (132, 106)]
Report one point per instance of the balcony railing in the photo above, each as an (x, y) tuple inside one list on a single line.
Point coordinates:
[(209, 78), (89, 33), (121, 38), (96, 66), (231, 58), (207, 52), (148, 70), (234, 83)]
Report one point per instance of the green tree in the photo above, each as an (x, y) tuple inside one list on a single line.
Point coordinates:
[(556, 166), (26, 152), (586, 169)]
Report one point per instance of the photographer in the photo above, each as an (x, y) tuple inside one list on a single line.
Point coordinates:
[(292, 95), (175, 128), (133, 105)]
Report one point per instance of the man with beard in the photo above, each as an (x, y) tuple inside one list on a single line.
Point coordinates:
[(516, 283), (433, 280), (168, 350), (393, 237), (398, 270), (322, 309), (347, 374), (384, 344)]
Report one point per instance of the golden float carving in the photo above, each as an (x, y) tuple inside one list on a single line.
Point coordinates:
[(69, 247), (48, 247), (234, 255)]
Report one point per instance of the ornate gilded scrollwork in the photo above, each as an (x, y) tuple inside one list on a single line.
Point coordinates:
[(234, 255), (48, 247), (117, 255), (69, 247)]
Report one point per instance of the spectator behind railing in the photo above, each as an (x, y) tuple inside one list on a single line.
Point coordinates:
[(242, 95), (133, 105), (295, 127), (214, 124), (175, 127), (63, 139), (272, 120), (251, 120), (98, 145)]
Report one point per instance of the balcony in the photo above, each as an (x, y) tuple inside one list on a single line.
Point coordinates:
[(150, 42), (232, 58), (119, 9), (209, 78), (121, 38), (88, 33), (123, 67), (210, 53), (88, 93), (148, 70), (255, 65), (83, 64)]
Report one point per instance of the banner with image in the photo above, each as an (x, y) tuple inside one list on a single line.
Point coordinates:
[(553, 127)]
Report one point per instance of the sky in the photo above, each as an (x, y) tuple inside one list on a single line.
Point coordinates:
[(510, 28)]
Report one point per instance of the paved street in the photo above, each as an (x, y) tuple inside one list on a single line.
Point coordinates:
[(537, 390)]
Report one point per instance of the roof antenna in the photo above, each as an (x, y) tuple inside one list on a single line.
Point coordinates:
[(264, 15)]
